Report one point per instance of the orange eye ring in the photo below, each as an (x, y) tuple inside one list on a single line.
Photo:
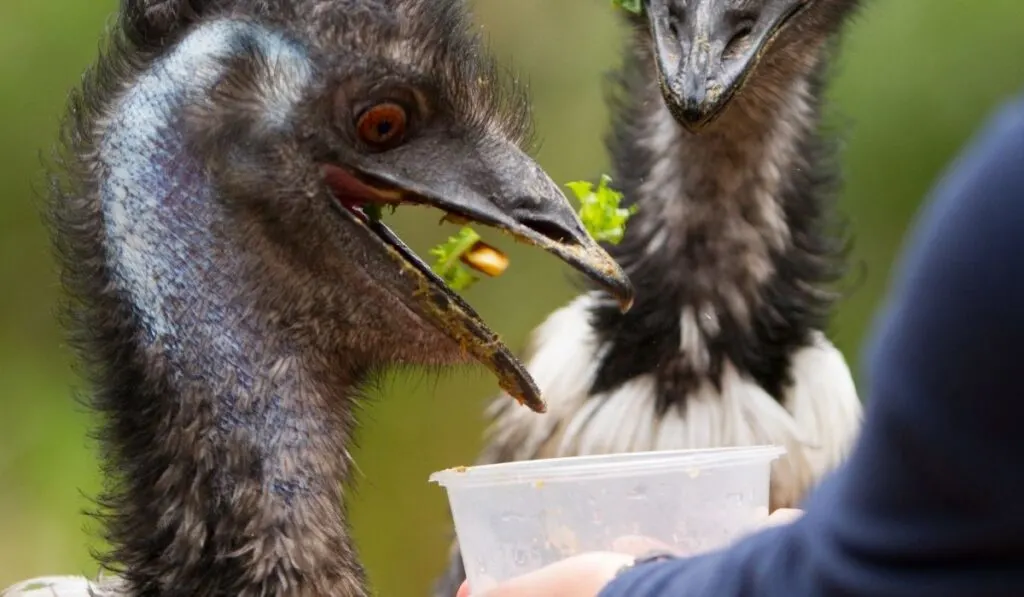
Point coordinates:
[(382, 126)]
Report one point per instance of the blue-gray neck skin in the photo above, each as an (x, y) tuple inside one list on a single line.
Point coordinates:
[(234, 426)]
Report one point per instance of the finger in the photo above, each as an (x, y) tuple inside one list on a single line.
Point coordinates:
[(548, 581), (463, 590), (578, 576)]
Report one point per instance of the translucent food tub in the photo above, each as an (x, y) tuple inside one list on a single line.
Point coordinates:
[(516, 517)]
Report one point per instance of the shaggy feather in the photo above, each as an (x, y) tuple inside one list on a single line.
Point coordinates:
[(225, 325), (733, 253)]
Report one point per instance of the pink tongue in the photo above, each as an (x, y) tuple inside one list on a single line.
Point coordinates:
[(347, 188)]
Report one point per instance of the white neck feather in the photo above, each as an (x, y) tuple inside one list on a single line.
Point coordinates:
[(817, 421)]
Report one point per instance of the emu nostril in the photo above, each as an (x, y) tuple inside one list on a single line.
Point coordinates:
[(735, 44), (537, 215), (548, 229), (742, 25), (676, 17)]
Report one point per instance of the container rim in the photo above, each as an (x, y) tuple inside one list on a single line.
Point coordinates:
[(603, 465)]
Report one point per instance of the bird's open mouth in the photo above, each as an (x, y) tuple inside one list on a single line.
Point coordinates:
[(544, 224)]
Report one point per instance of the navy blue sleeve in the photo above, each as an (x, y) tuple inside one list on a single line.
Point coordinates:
[(931, 502)]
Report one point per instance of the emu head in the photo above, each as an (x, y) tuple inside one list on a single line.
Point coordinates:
[(301, 115), (707, 51)]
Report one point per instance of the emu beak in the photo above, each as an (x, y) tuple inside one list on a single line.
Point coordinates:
[(497, 185), (707, 49)]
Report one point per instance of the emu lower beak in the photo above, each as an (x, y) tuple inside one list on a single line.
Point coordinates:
[(499, 187), (706, 50)]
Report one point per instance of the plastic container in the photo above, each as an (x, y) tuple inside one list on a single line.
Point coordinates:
[(513, 518)]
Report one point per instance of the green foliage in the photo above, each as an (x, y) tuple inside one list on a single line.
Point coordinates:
[(448, 266), (372, 211), (634, 6), (600, 211)]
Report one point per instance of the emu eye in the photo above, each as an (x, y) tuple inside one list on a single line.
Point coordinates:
[(382, 126)]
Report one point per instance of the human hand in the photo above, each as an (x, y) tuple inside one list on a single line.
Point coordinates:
[(586, 574), (579, 576)]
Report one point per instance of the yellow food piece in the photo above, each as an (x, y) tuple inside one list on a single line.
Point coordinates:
[(563, 539), (485, 259)]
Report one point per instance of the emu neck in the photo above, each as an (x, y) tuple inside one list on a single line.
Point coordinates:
[(230, 433), (717, 199), (722, 189), (729, 247)]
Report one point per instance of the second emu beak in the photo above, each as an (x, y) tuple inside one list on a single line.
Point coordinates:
[(706, 50)]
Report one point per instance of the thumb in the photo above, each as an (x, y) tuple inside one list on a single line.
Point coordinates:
[(578, 576)]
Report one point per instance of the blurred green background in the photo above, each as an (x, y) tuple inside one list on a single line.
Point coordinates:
[(914, 79)]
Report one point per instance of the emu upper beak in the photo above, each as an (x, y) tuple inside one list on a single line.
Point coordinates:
[(496, 185), (706, 50)]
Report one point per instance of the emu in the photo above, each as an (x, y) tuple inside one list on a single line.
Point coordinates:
[(229, 293), (733, 252)]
